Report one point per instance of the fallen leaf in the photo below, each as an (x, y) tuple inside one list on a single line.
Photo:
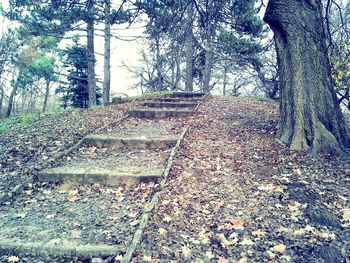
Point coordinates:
[(119, 257), (21, 215), (267, 188), (346, 214), (224, 242), (299, 232), (186, 251), (73, 198), (134, 223), (209, 254), (73, 192), (325, 235), (13, 259), (243, 260), (281, 248), (259, 234), (219, 205), (246, 242), (147, 258), (51, 216), (222, 260), (167, 218), (237, 223), (162, 231)]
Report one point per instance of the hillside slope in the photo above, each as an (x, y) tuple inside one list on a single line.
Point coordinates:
[(234, 194)]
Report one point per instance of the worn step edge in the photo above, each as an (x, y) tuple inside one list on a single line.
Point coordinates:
[(152, 204), (104, 177), (170, 104), (178, 100), (114, 142), (11, 246), (186, 94), (146, 113)]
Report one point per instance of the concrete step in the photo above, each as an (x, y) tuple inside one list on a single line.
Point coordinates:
[(186, 94), (177, 100), (71, 221), (108, 167), (159, 113), (87, 173), (130, 142), (181, 104)]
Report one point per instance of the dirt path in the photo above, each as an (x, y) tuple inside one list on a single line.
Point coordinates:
[(235, 195)]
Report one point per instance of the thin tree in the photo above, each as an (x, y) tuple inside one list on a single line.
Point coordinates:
[(189, 47)]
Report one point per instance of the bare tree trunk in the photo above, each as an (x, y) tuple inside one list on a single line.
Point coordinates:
[(159, 65), (2, 95), (91, 53), (208, 49), (208, 66), (189, 48), (107, 54), (10, 102), (47, 93), (310, 117), (225, 81), (178, 70), (173, 73)]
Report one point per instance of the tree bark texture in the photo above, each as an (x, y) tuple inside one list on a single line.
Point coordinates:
[(2, 95), (159, 65), (224, 87), (189, 48), (47, 94), (209, 49), (107, 54), (91, 53), (10, 102), (310, 117)]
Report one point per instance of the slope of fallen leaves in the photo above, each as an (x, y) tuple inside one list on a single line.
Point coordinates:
[(236, 195), (30, 145)]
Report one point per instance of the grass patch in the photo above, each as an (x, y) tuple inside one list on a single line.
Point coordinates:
[(28, 118), (7, 123), (260, 98)]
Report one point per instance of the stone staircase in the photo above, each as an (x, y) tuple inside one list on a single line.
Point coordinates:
[(91, 203)]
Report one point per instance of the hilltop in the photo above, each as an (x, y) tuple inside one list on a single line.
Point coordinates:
[(233, 193)]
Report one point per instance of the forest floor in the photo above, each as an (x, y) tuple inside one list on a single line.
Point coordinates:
[(234, 194)]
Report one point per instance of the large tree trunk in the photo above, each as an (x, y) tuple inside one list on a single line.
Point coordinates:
[(47, 93), (91, 53), (310, 117), (107, 54), (189, 48)]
